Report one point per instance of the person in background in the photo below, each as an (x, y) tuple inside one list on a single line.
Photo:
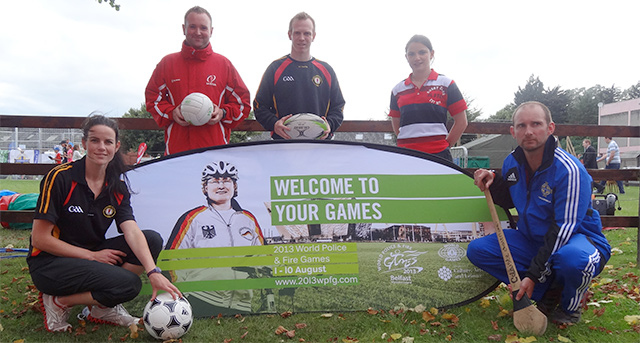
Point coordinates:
[(299, 83), (63, 151), (58, 158), (76, 153), (589, 160), (70, 147), (196, 68), (420, 103), (70, 260), (558, 247), (612, 161)]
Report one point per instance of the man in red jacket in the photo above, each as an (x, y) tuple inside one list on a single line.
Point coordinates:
[(196, 68)]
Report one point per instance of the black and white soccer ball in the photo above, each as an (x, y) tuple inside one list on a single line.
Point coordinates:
[(165, 318)]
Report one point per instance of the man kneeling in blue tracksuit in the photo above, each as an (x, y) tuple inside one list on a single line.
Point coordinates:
[(558, 247)]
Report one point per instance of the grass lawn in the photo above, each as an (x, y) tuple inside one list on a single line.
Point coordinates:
[(613, 295), (22, 186)]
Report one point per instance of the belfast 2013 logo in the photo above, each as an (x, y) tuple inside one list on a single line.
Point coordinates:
[(399, 260)]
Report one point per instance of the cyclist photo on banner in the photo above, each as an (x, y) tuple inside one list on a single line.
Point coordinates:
[(221, 222)]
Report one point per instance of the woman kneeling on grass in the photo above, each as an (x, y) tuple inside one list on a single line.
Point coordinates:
[(70, 260)]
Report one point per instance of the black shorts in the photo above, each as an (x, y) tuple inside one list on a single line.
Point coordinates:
[(109, 285)]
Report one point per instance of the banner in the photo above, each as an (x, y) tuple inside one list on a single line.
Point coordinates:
[(23, 156), (313, 226)]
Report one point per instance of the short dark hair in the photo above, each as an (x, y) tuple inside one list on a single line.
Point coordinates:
[(199, 10), (419, 39), (302, 16), (545, 109)]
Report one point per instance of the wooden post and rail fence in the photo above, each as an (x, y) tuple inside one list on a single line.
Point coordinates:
[(347, 126)]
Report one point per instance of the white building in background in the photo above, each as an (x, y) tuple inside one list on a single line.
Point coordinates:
[(624, 113)]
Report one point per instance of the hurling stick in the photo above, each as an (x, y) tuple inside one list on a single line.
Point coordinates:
[(526, 317)]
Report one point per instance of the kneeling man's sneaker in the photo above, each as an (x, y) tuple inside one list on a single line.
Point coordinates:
[(55, 315), (116, 315), (559, 316)]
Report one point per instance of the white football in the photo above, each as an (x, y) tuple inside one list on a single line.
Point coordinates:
[(196, 108), (165, 318), (305, 126)]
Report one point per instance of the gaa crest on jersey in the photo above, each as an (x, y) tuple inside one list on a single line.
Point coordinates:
[(208, 231), (109, 211), (317, 80), (246, 233)]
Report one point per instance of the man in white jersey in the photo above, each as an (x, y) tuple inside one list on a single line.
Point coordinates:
[(612, 161)]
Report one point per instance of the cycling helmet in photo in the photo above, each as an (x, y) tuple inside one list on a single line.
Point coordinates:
[(219, 169)]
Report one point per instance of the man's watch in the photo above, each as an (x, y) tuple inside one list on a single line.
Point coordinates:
[(154, 270), (224, 114)]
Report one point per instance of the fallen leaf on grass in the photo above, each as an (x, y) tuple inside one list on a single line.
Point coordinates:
[(599, 312), (291, 333), (503, 313), (420, 308), (227, 340), (244, 335), (616, 251), (494, 325), (372, 311), (484, 303), (326, 315), (434, 311), (286, 314), (632, 320), (280, 330), (494, 337), (395, 336), (301, 325), (605, 281), (427, 316), (19, 341), (563, 339), (514, 338), (350, 340), (451, 317), (133, 328)]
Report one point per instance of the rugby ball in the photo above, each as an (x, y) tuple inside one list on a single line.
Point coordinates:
[(305, 126), (196, 109)]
